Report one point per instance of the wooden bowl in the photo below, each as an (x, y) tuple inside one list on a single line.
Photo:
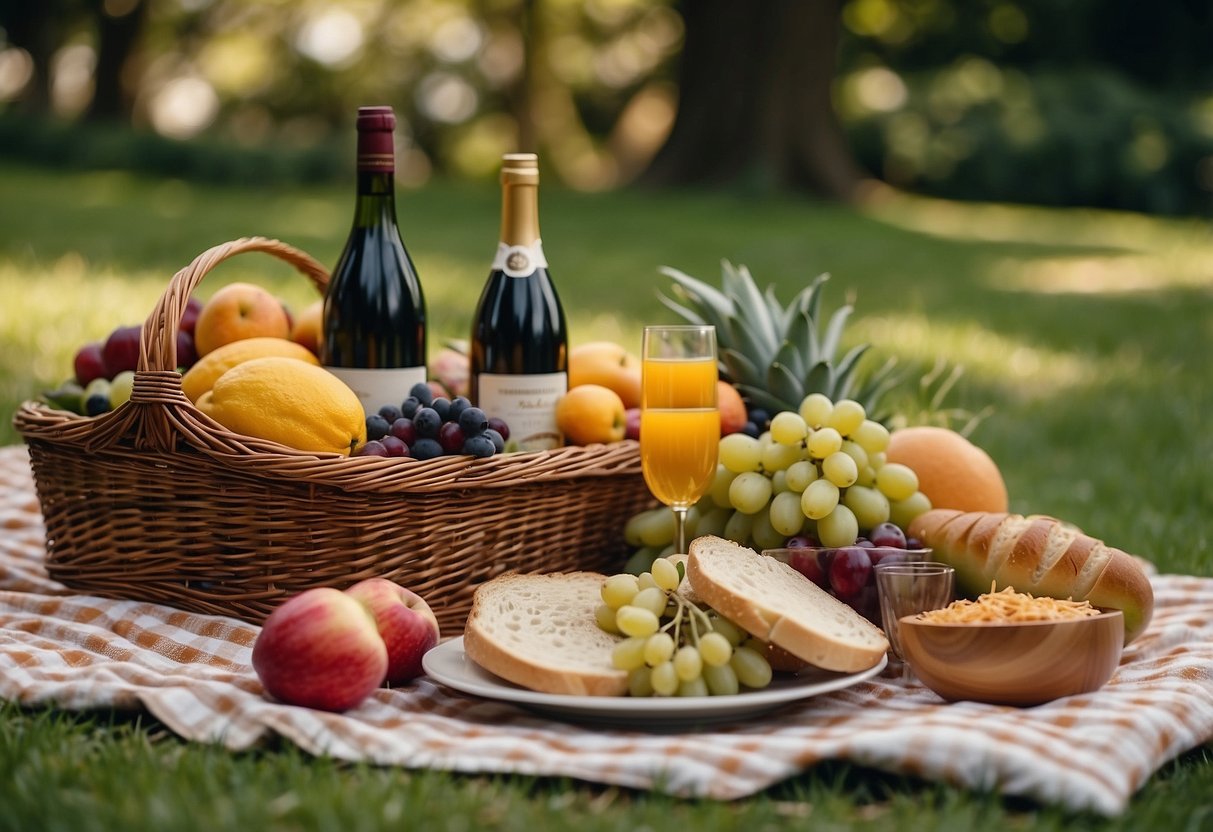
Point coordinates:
[(1026, 663)]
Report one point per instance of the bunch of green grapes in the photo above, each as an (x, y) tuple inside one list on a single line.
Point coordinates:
[(820, 471), (673, 647)]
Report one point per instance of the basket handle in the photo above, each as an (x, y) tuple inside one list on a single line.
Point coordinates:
[(158, 341)]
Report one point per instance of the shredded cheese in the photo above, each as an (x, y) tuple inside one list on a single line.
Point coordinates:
[(1008, 605)]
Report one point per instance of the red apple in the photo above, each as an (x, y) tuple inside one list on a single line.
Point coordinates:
[(631, 423), (90, 363), (320, 649), (189, 316), (122, 350), (406, 624)]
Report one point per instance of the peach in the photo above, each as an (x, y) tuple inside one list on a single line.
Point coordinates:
[(733, 415), (609, 365), (308, 327), (589, 414), (238, 311)]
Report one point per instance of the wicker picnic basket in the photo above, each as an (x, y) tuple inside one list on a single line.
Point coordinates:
[(155, 501)]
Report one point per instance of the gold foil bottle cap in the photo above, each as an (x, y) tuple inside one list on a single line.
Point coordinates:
[(520, 168)]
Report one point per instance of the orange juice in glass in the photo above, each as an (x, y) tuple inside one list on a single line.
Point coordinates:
[(679, 422)]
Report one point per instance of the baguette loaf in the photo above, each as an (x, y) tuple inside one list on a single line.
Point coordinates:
[(1040, 555), (538, 631), (776, 604)]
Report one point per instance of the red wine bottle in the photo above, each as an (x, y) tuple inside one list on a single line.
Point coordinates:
[(519, 362), (374, 310)]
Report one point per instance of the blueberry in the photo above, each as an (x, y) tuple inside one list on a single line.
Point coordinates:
[(443, 407), (426, 448), (751, 429), (473, 421), (422, 393), (458, 405), (377, 427), (408, 408), (97, 404), (498, 442), (760, 417), (427, 422), (390, 413), (479, 446)]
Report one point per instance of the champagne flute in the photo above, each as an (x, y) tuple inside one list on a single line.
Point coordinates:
[(679, 421)]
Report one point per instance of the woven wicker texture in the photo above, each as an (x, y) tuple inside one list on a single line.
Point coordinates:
[(155, 501)]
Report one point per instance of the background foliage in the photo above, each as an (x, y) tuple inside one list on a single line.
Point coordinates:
[(1061, 102)]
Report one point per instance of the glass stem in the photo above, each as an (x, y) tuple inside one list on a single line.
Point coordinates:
[(680, 529)]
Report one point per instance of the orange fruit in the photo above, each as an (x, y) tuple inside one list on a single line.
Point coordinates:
[(609, 365), (308, 327), (952, 471), (733, 414), (589, 414), (238, 311)]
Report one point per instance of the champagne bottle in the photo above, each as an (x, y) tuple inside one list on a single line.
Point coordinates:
[(374, 310), (519, 362)]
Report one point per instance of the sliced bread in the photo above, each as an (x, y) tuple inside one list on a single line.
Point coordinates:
[(775, 603), (539, 631)]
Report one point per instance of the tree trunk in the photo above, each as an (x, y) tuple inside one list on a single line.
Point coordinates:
[(117, 38), (37, 28), (754, 100)]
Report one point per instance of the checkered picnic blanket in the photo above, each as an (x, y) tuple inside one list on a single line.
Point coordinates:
[(193, 673)]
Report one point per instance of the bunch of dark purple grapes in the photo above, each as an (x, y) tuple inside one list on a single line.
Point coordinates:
[(847, 572), (424, 427)]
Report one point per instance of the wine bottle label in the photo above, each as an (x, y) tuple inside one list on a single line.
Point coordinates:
[(375, 388), (520, 261), (528, 406)]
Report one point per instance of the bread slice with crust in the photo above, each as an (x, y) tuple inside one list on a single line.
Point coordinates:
[(539, 631), (776, 604)]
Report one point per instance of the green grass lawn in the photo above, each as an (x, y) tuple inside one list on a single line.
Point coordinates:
[(1083, 335)]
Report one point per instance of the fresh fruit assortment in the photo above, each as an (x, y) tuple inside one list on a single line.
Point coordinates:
[(104, 371), (425, 426), (818, 472), (673, 645)]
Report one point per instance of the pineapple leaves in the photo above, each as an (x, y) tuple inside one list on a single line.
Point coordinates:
[(833, 334), (790, 356), (775, 354), (844, 371), (781, 316), (820, 378), (746, 341), (759, 397), (702, 295), (681, 311), (783, 385), (750, 305), (739, 368)]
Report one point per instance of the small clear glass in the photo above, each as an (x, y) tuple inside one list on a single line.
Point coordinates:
[(908, 589)]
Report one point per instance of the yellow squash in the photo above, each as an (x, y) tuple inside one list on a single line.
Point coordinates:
[(288, 401)]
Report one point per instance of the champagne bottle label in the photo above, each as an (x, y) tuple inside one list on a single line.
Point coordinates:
[(528, 406), (375, 388), (520, 261)]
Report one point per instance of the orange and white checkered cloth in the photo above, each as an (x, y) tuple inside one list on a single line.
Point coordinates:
[(193, 673)]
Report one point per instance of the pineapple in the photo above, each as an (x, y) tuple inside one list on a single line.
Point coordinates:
[(776, 356)]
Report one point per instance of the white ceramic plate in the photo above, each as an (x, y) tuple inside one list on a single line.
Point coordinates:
[(449, 665)]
